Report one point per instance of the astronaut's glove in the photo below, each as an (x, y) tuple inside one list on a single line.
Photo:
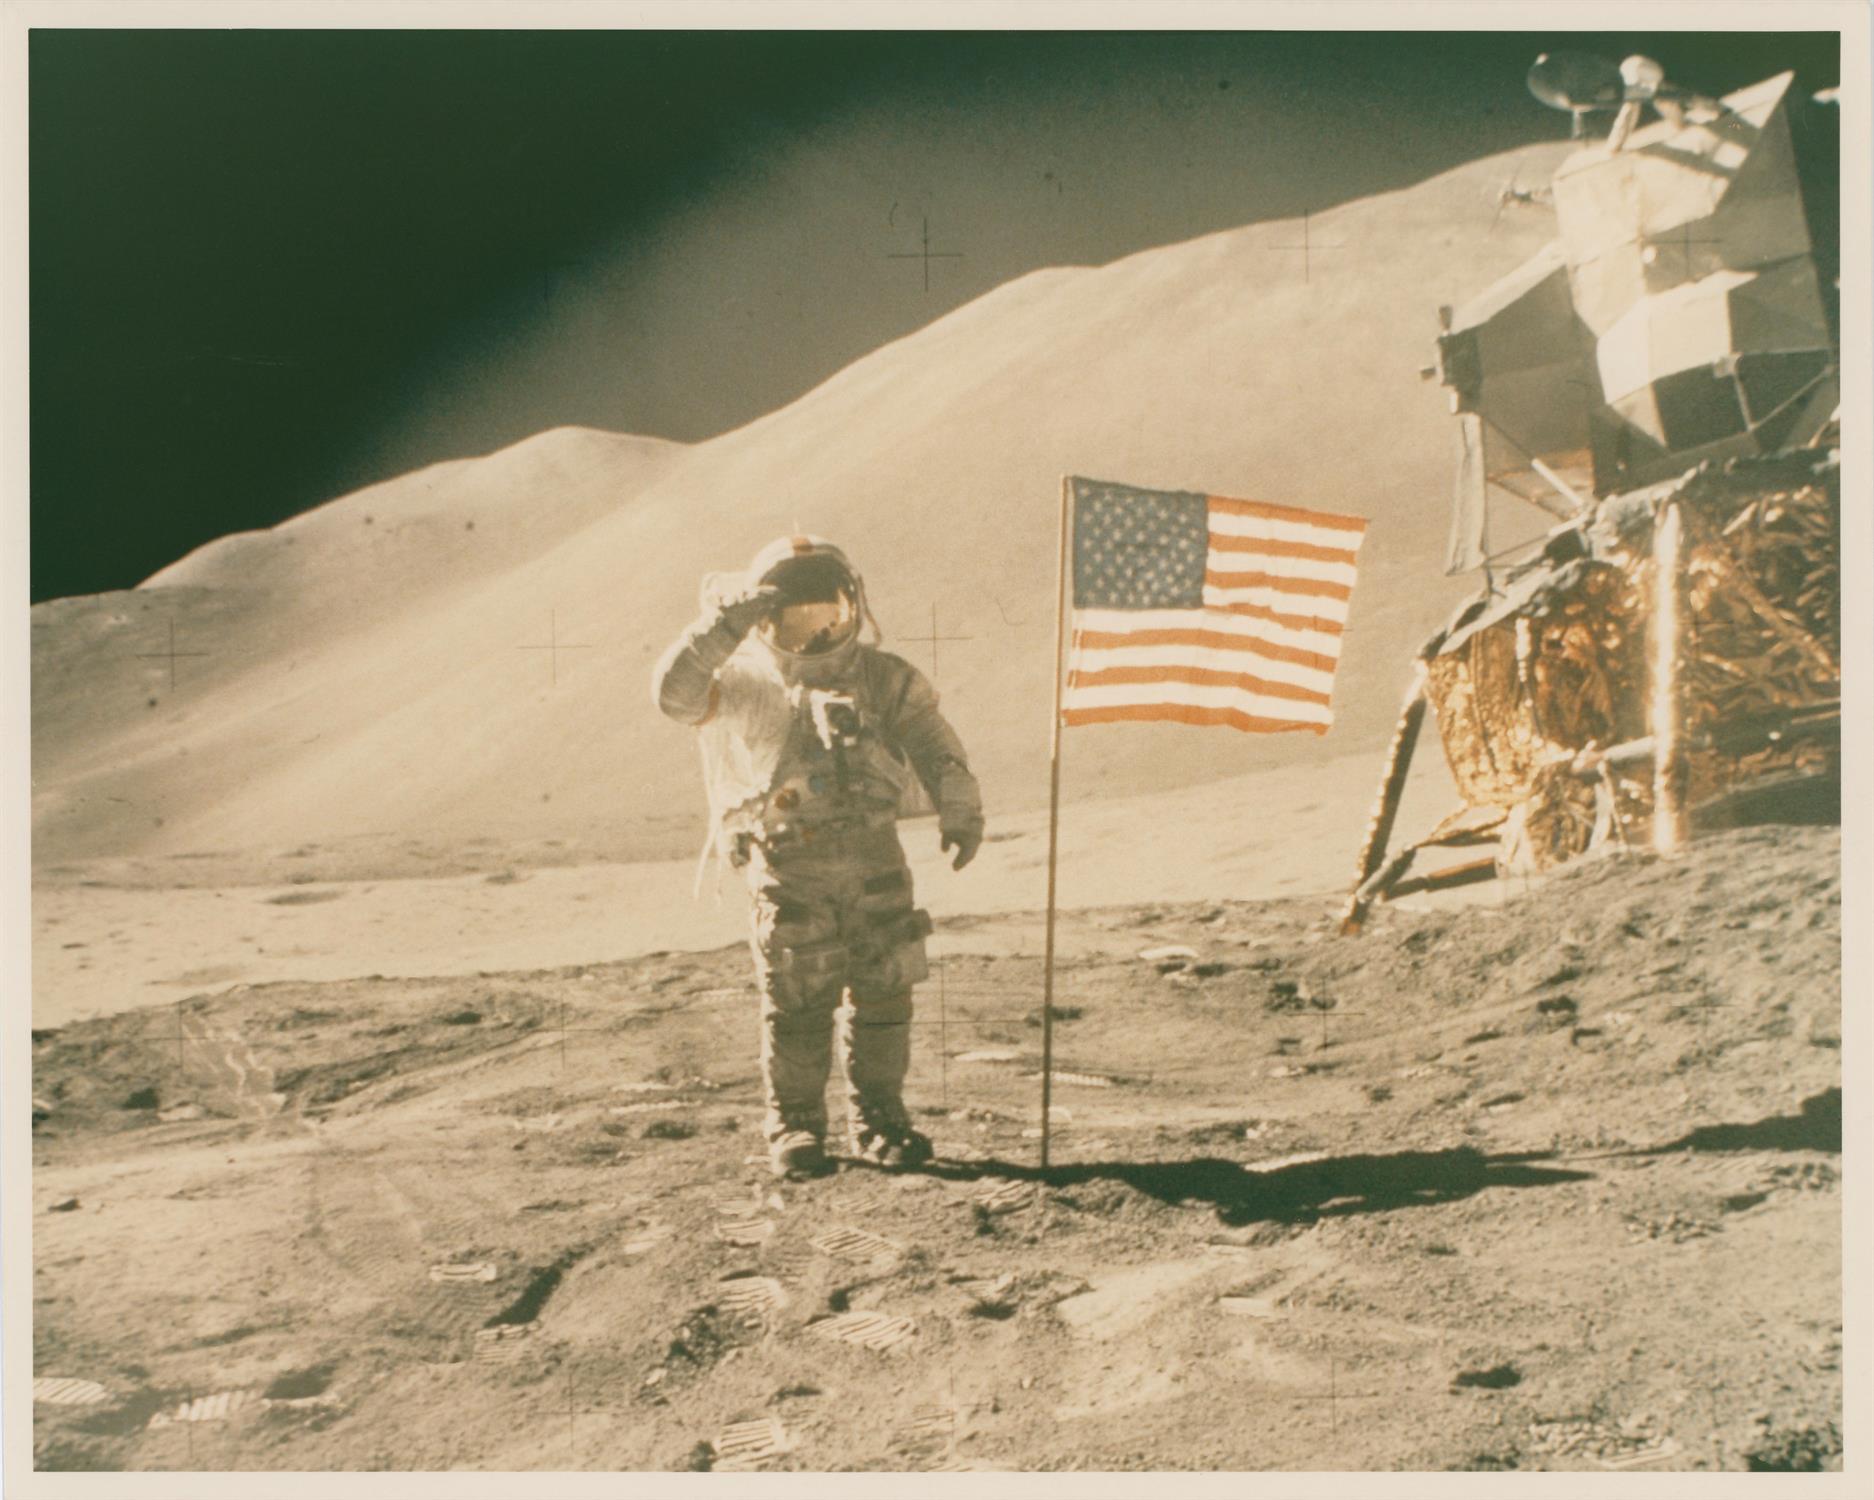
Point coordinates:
[(740, 609), (965, 838)]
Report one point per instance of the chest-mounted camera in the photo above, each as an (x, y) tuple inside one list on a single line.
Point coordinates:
[(835, 719)]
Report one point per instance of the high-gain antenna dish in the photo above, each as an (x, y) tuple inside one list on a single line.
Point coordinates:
[(1579, 82)]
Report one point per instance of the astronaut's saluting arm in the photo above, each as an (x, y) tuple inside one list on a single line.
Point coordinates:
[(684, 681), (937, 755)]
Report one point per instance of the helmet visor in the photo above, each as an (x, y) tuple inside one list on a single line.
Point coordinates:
[(815, 628), (819, 606)]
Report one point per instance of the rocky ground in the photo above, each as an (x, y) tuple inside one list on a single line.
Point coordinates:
[(1550, 1185)]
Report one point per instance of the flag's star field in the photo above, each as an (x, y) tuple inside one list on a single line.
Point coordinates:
[(1139, 549)]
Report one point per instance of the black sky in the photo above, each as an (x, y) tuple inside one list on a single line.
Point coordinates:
[(268, 267)]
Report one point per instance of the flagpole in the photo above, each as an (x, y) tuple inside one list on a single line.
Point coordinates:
[(1054, 830)]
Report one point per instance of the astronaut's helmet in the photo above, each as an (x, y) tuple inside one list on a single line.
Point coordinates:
[(815, 626)]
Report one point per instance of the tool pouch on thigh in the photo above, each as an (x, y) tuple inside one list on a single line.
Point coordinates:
[(900, 938), (810, 969), (799, 952)]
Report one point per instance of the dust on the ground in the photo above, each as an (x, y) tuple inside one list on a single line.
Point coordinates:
[(1552, 1185)]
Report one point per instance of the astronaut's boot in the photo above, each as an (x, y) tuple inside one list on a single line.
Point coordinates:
[(875, 1048), (888, 1142), (798, 1153)]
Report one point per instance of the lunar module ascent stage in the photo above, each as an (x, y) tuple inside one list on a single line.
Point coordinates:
[(1663, 380)]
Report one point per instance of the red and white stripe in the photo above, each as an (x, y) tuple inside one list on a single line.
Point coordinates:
[(1259, 656)]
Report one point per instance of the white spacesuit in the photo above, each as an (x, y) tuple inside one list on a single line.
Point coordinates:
[(813, 744)]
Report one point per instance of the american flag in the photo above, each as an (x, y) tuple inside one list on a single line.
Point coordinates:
[(1205, 610)]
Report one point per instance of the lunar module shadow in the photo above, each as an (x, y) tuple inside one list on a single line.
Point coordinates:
[(1816, 1126)]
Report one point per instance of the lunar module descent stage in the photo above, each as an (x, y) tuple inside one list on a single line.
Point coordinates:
[(1663, 380)]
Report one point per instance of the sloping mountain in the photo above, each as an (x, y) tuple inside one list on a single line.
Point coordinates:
[(462, 653)]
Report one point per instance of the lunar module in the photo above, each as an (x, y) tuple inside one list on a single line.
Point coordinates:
[(1663, 655)]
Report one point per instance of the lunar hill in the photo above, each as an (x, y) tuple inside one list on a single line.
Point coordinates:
[(460, 655)]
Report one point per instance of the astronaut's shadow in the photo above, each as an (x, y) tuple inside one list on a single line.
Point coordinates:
[(1300, 1192)]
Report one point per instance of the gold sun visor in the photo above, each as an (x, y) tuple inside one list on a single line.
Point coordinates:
[(814, 629), (819, 609)]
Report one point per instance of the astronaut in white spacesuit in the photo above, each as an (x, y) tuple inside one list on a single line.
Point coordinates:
[(813, 744)]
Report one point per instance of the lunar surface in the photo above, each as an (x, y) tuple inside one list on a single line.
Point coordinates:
[(1548, 1185)]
